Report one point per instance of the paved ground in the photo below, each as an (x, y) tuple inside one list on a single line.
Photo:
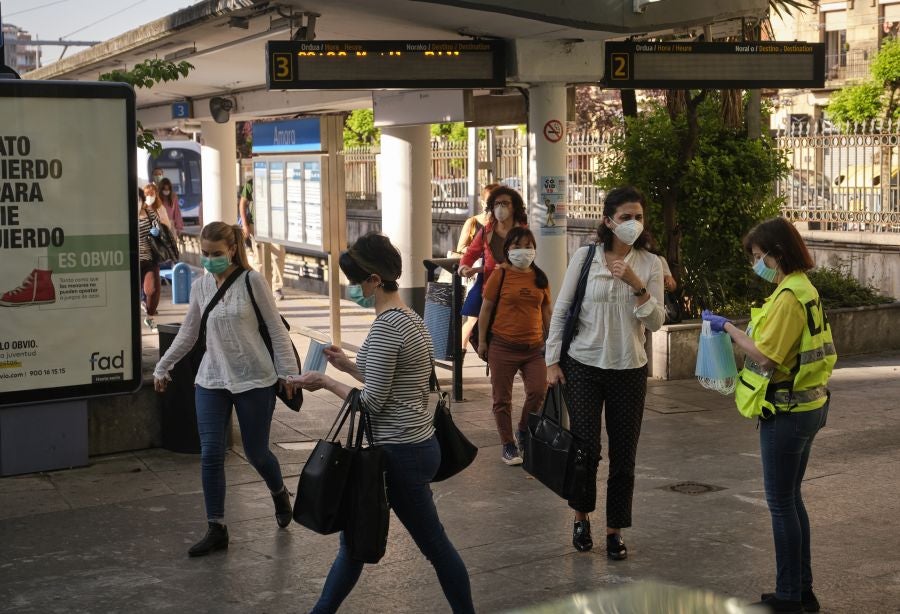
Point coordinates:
[(112, 537)]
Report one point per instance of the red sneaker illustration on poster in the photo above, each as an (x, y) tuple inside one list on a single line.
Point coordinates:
[(37, 289)]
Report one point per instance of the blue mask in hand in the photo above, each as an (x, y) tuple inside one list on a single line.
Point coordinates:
[(355, 294), (767, 273)]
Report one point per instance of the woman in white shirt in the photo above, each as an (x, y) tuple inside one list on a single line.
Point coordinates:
[(236, 369), (605, 367)]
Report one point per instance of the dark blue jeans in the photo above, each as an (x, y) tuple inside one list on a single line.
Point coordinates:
[(410, 468), (254, 410), (785, 441)]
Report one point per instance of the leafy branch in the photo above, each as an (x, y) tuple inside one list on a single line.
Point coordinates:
[(145, 75)]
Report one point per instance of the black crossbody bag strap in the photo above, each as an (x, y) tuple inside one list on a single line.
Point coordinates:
[(578, 298), (215, 299)]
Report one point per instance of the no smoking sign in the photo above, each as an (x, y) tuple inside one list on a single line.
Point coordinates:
[(553, 130)]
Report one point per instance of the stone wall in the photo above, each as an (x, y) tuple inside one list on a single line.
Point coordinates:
[(672, 350)]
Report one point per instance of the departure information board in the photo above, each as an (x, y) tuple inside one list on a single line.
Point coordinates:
[(348, 65), (688, 65)]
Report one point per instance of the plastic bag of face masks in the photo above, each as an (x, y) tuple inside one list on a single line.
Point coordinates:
[(715, 367)]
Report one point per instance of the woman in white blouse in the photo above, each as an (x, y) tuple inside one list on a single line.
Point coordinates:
[(605, 367), (236, 369)]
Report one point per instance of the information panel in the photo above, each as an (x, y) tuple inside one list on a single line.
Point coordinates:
[(288, 200), (336, 65), (69, 305), (688, 65)]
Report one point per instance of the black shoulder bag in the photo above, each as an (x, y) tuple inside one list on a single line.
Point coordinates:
[(296, 401), (571, 327), (457, 452)]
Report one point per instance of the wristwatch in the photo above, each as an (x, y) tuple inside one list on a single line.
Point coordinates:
[(641, 292)]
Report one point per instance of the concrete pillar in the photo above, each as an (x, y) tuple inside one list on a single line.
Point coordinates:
[(219, 177), (547, 178), (404, 183)]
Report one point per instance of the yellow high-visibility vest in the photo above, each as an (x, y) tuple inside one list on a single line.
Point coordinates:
[(755, 395)]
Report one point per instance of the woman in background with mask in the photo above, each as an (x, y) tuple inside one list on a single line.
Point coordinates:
[(394, 365), (505, 209), (169, 200), (150, 210), (605, 367), (784, 384), (517, 311), (236, 369)]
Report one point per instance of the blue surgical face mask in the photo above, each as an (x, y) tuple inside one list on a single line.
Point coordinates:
[(355, 294), (760, 268), (215, 264)]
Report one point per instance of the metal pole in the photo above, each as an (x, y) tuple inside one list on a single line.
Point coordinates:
[(456, 334)]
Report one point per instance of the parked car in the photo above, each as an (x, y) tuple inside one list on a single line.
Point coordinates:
[(450, 194)]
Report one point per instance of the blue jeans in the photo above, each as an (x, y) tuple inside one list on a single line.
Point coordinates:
[(785, 441), (254, 410), (410, 468)]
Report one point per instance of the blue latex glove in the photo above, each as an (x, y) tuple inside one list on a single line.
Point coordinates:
[(716, 323)]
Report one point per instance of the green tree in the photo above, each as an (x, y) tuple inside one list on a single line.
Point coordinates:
[(453, 131), (856, 104), (360, 130), (723, 189), (145, 75), (876, 98)]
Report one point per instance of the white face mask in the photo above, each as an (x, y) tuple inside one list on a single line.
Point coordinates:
[(150, 200), (628, 231), (501, 213), (521, 258), (166, 192)]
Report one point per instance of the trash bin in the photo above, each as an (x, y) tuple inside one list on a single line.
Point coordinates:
[(438, 311), (177, 410)]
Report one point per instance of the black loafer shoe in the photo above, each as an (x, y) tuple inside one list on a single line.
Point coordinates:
[(581, 536), (216, 538), (283, 511), (780, 605), (615, 547), (807, 599)]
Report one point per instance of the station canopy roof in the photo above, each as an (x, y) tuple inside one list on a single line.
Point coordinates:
[(225, 40)]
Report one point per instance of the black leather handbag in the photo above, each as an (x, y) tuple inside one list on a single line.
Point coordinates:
[(296, 399), (457, 452), (368, 512), (319, 504), (553, 455)]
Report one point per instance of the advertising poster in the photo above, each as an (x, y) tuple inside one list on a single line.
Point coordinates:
[(68, 281), (551, 206)]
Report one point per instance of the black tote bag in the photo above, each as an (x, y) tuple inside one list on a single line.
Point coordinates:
[(553, 455), (457, 452), (368, 512), (319, 504)]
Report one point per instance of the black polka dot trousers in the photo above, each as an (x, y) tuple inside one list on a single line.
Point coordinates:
[(619, 393)]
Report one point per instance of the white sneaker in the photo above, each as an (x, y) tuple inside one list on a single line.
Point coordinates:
[(279, 295)]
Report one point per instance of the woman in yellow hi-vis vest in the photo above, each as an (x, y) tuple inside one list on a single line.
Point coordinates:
[(789, 358)]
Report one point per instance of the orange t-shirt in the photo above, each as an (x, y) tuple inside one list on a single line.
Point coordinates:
[(518, 316)]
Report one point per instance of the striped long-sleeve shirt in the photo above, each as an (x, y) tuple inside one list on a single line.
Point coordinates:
[(396, 361)]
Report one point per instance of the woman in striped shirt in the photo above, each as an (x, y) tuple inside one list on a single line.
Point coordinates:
[(150, 210), (394, 364)]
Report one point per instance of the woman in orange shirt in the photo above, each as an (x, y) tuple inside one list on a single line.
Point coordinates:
[(516, 310)]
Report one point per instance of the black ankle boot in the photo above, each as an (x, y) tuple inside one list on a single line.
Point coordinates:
[(581, 536), (216, 538), (283, 511), (780, 605)]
